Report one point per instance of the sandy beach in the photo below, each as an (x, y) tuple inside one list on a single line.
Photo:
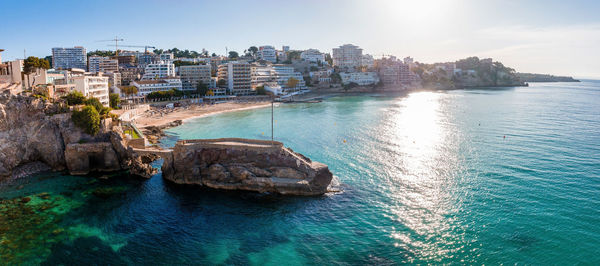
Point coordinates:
[(161, 117)]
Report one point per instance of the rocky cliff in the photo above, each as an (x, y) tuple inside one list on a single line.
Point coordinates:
[(33, 131), (241, 164)]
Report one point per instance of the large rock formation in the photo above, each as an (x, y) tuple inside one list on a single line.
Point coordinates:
[(32, 130), (242, 164)]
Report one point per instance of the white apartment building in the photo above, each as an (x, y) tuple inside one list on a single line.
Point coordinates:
[(168, 57), (102, 64), (191, 76), (312, 55), (360, 78), (237, 76), (66, 58), (347, 57), (159, 70), (262, 75), (145, 87), (267, 53), (367, 61), (93, 86), (282, 73)]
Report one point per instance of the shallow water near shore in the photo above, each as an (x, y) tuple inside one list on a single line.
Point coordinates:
[(503, 175)]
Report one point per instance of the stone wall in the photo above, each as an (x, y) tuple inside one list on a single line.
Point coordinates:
[(273, 169)]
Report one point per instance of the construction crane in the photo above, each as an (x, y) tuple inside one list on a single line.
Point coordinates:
[(140, 46), (116, 40)]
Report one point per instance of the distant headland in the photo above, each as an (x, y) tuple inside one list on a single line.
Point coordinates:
[(532, 77)]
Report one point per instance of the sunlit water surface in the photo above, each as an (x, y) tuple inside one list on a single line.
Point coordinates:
[(508, 175)]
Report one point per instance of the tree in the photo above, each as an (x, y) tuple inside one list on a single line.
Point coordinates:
[(75, 98), (213, 55), (253, 50), (307, 81), (260, 90), (97, 105), (31, 66), (87, 119), (129, 90), (202, 88), (114, 100), (329, 59), (336, 78), (101, 53), (292, 83), (233, 54)]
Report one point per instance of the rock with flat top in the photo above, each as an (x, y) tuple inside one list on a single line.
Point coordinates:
[(244, 164)]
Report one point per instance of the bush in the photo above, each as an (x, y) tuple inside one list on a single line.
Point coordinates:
[(260, 90), (97, 105), (87, 119), (114, 100), (75, 98)]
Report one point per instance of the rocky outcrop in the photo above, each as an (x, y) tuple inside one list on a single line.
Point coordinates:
[(242, 164), (32, 130)]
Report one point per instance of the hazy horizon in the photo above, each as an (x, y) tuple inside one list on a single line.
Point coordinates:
[(549, 37)]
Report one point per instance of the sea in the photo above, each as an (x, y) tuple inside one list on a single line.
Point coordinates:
[(477, 176)]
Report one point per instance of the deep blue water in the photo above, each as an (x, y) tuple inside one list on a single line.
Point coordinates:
[(481, 176)]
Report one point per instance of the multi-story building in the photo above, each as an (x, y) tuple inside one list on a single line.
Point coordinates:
[(285, 48), (125, 59), (393, 71), (367, 61), (262, 75), (92, 86), (360, 78), (347, 57), (130, 73), (192, 75), (237, 77), (147, 86), (168, 57), (283, 73), (312, 55), (102, 64), (267, 53), (146, 59), (159, 70), (65, 58)]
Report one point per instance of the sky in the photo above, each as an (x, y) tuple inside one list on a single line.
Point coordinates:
[(552, 37)]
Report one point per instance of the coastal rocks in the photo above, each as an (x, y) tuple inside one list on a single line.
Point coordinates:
[(154, 133), (243, 164), (84, 158), (34, 137)]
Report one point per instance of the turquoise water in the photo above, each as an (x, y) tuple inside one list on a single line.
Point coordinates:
[(507, 175)]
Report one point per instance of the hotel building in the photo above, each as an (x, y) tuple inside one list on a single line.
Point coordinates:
[(237, 76), (192, 75), (347, 57), (65, 58), (92, 86), (159, 70), (267, 53)]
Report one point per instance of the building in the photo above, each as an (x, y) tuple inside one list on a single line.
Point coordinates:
[(145, 87), (367, 61), (261, 76), (146, 59), (267, 53), (312, 55), (237, 77), (282, 73), (281, 56), (192, 75), (168, 57), (360, 78), (130, 73), (125, 60), (347, 57), (159, 70), (92, 86), (102, 64), (285, 48), (66, 58), (393, 71)]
